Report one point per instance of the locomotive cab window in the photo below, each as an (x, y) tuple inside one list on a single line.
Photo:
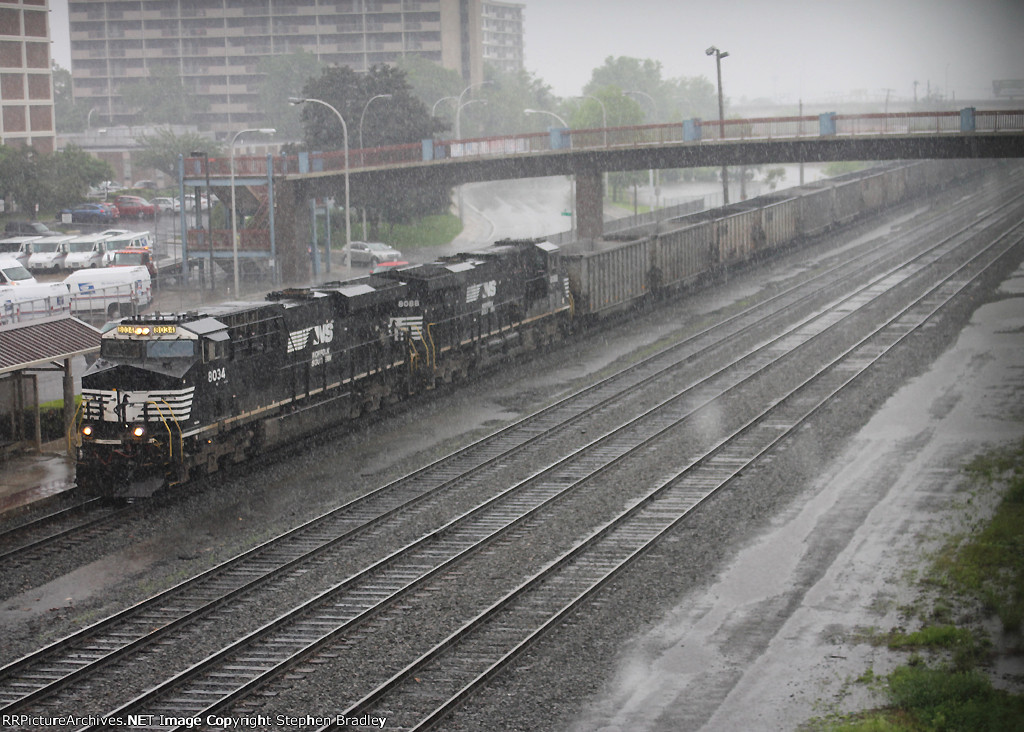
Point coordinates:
[(216, 348)]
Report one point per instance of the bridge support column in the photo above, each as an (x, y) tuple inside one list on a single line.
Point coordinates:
[(589, 205), (291, 224)]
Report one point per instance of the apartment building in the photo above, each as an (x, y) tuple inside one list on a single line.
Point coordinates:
[(216, 45), (26, 82), (502, 25)]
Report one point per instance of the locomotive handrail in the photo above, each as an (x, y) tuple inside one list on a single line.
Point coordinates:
[(74, 432), (428, 344), (170, 435)]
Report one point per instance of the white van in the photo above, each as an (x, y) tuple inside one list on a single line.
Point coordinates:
[(33, 300), (19, 247), (13, 273), (109, 291), (86, 251), (125, 240), (49, 253)]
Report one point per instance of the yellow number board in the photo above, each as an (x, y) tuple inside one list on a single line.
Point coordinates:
[(142, 330)]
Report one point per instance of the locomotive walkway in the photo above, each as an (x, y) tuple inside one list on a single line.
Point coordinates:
[(589, 153)]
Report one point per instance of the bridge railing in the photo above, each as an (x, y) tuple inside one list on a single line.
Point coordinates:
[(690, 132)]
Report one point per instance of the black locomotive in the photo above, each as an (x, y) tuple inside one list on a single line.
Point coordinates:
[(174, 397)]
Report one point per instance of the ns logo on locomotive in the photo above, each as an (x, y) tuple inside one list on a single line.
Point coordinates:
[(176, 396)]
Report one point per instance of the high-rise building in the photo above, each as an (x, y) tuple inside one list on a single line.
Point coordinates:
[(502, 34), (216, 45), (26, 82)]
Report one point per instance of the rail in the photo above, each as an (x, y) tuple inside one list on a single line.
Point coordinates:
[(689, 132)]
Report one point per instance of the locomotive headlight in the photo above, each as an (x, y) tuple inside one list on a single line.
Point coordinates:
[(138, 431), (87, 430)]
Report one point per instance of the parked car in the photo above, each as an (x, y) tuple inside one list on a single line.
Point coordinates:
[(134, 207), (166, 205), (18, 247), (371, 253), (49, 253), (85, 213), (27, 228), (13, 273)]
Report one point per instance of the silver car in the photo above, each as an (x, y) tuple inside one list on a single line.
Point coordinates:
[(371, 253)]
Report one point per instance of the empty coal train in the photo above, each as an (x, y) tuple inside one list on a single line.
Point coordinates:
[(175, 397)]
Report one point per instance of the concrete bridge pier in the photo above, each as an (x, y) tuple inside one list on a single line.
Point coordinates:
[(590, 205), (292, 226)]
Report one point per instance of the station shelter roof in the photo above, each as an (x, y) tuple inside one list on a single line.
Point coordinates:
[(36, 343)]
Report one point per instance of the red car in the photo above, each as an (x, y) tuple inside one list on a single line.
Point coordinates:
[(133, 207)]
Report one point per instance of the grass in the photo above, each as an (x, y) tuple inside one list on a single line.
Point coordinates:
[(430, 231), (983, 573)]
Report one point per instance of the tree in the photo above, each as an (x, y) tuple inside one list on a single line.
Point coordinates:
[(401, 119), (431, 83), (162, 149), (17, 173), (49, 181), (284, 77), (64, 177)]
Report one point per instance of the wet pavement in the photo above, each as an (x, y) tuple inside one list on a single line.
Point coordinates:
[(29, 478)]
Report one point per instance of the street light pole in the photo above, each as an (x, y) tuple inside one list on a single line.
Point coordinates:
[(344, 129), (209, 209), (458, 126), (362, 162), (572, 182), (654, 106), (234, 214), (719, 55), (604, 115), (362, 117), (544, 111)]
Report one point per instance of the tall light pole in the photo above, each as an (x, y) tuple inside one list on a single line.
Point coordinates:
[(234, 214), (344, 128), (209, 209), (442, 99), (719, 55), (572, 182), (362, 162), (544, 111), (458, 126), (604, 115), (362, 117), (459, 105), (654, 106)]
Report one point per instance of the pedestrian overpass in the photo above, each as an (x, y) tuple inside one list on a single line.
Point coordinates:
[(291, 183)]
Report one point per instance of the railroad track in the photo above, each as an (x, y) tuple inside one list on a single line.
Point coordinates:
[(430, 687), (222, 590), (239, 669), (58, 531)]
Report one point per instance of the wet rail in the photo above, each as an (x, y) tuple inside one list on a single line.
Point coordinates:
[(58, 531), (237, 670), (219, 587), (440, 680)]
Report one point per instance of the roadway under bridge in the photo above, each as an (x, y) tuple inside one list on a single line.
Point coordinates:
[(297, 181)]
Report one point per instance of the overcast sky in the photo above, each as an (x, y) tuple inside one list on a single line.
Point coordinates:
[(786, 49)]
